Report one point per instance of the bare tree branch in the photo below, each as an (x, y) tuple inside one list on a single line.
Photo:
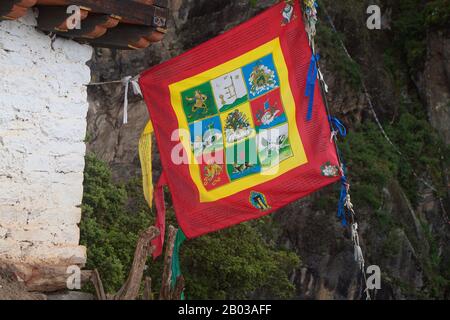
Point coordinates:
[(165, 292), (98, 285), (130, 289)]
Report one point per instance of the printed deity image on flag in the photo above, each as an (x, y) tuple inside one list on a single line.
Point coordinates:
[(237, 135)]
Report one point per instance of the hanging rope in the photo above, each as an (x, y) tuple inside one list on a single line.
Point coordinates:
[(345, 205)]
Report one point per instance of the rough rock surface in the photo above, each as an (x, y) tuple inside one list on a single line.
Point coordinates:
[(437, 81), (328, 269)]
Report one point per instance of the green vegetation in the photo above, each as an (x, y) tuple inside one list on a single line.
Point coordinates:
[(111, 222), (438, 280), (409, 30), (374, 162), (410, 21), (234, 263)]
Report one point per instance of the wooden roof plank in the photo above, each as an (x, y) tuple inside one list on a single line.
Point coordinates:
[(94, 26), (14, 9), (134, 24), (54, 18), (130, 10), (128, 37)]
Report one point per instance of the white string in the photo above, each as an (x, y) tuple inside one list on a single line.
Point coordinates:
[(126, 83)]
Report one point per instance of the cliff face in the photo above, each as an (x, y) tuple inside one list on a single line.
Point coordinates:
[(408, 240)]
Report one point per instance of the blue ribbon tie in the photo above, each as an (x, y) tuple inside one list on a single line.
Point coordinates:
[(337, 124), (311, 84)]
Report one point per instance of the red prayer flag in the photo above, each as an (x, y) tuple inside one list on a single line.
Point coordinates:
[(237, 135)]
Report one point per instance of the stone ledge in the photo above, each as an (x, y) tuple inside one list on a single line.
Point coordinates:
[(42, 277), (41, 253)]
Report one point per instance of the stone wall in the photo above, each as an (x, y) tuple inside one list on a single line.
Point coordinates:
[(43, 108), (328, 269)]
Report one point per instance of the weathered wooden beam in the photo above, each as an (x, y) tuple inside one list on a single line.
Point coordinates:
[(148, 294), (159, 3), (14, 9), (159, 18), (126, 36), (129, 10), (93, 26)]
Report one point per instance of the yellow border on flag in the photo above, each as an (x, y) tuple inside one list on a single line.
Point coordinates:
[(273, 47)]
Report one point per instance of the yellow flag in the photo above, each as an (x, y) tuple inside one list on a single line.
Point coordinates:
[(145, 155)]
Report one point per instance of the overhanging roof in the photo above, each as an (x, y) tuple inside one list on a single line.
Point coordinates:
[(124, 24)]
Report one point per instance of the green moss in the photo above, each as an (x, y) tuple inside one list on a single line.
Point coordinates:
[(409, 30), (385, 221), (331, 51), (373, 162), (437, 278)]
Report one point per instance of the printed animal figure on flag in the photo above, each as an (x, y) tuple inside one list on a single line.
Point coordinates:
[(268, 110), (198, 102), (242, 159), (211, 138), (274, 146), (262, 79), (212, 174), (240, 168), (269, 114)]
